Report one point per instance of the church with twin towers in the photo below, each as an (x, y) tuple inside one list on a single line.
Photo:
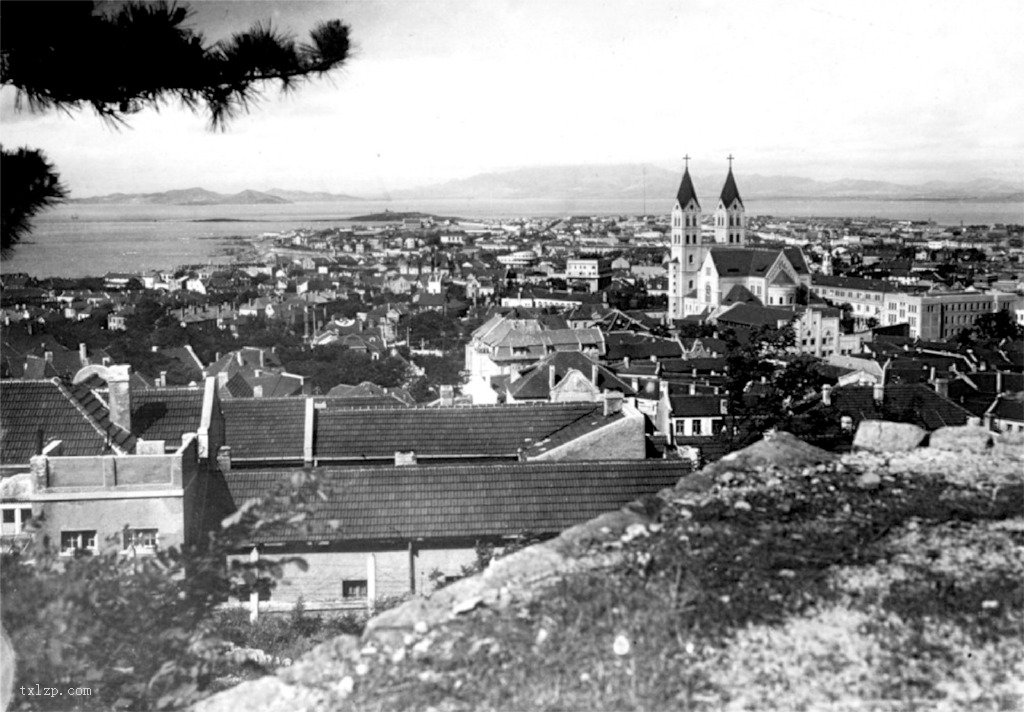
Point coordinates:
[(709, 270)]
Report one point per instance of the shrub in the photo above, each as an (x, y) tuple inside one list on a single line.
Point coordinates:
[(138, 630)]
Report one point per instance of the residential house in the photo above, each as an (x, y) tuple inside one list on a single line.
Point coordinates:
[(385, 531)]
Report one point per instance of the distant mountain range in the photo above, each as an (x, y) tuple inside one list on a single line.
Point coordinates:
[(634, 181), (201, 196), (604, 182)]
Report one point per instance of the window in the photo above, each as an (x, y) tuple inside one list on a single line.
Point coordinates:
[(72, 542), (14, 519), (140, 539), (355, 588), (697, 426)]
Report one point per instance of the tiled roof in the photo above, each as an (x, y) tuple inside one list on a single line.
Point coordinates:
[(688, 365), (745, 262), (755, 315), (869, 285), (73, 415), (729, 191), (485, 431), (686, 192), (796, 258), (533, 385), (740, 294), (264, 428), (620, 344), (166, 413), (912, 402), (272, 429), (458, 501)]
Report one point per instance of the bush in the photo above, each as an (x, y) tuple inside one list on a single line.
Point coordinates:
[(139, 630)]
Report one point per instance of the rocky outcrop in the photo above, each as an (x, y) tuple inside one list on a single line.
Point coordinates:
[(331, 672), (885, 436)]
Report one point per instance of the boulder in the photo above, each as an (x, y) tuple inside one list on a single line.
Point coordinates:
[(777, 449), (887, 436), (1009, 445), (961, 438)]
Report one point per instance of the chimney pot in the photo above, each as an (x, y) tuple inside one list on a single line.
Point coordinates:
[(878, 392), (826, 394)]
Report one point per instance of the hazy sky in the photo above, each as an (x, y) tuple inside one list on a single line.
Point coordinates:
[(902, 91)]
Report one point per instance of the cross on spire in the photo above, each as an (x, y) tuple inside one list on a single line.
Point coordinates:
[(686, 159), (730, 161)]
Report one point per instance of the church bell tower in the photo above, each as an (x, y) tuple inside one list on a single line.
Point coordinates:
[(731, 216), (687, 251)]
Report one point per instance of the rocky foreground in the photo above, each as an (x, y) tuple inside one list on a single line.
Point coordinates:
[(781, 577)]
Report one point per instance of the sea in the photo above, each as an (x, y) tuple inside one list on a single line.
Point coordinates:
[(79, 240)]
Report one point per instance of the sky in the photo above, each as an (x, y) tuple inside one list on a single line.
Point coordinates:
[(907, 91)]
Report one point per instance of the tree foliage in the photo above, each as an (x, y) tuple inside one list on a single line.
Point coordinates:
[(136, 628), (29, 184), (137, 55)]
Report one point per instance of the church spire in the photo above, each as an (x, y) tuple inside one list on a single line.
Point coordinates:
[(686, 193), (729, 191)]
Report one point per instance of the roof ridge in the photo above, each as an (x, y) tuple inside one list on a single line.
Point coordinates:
[(74, 399)]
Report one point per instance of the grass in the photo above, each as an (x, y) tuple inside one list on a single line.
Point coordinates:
[(784, 591)]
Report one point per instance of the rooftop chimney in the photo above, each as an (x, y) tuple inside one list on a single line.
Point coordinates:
[(723, 406), (163, 379), (612, 403), (48, 356), (257, 391), (120, 395), (551, 376), (878, 392), (625, 361), (405, 459), (593, 374), (999, 382), (83, 354), (447, 394), (942, 387), (826, 394)]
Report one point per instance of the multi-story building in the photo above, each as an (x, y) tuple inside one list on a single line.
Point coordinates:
[(931, 315), (592, 272)]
